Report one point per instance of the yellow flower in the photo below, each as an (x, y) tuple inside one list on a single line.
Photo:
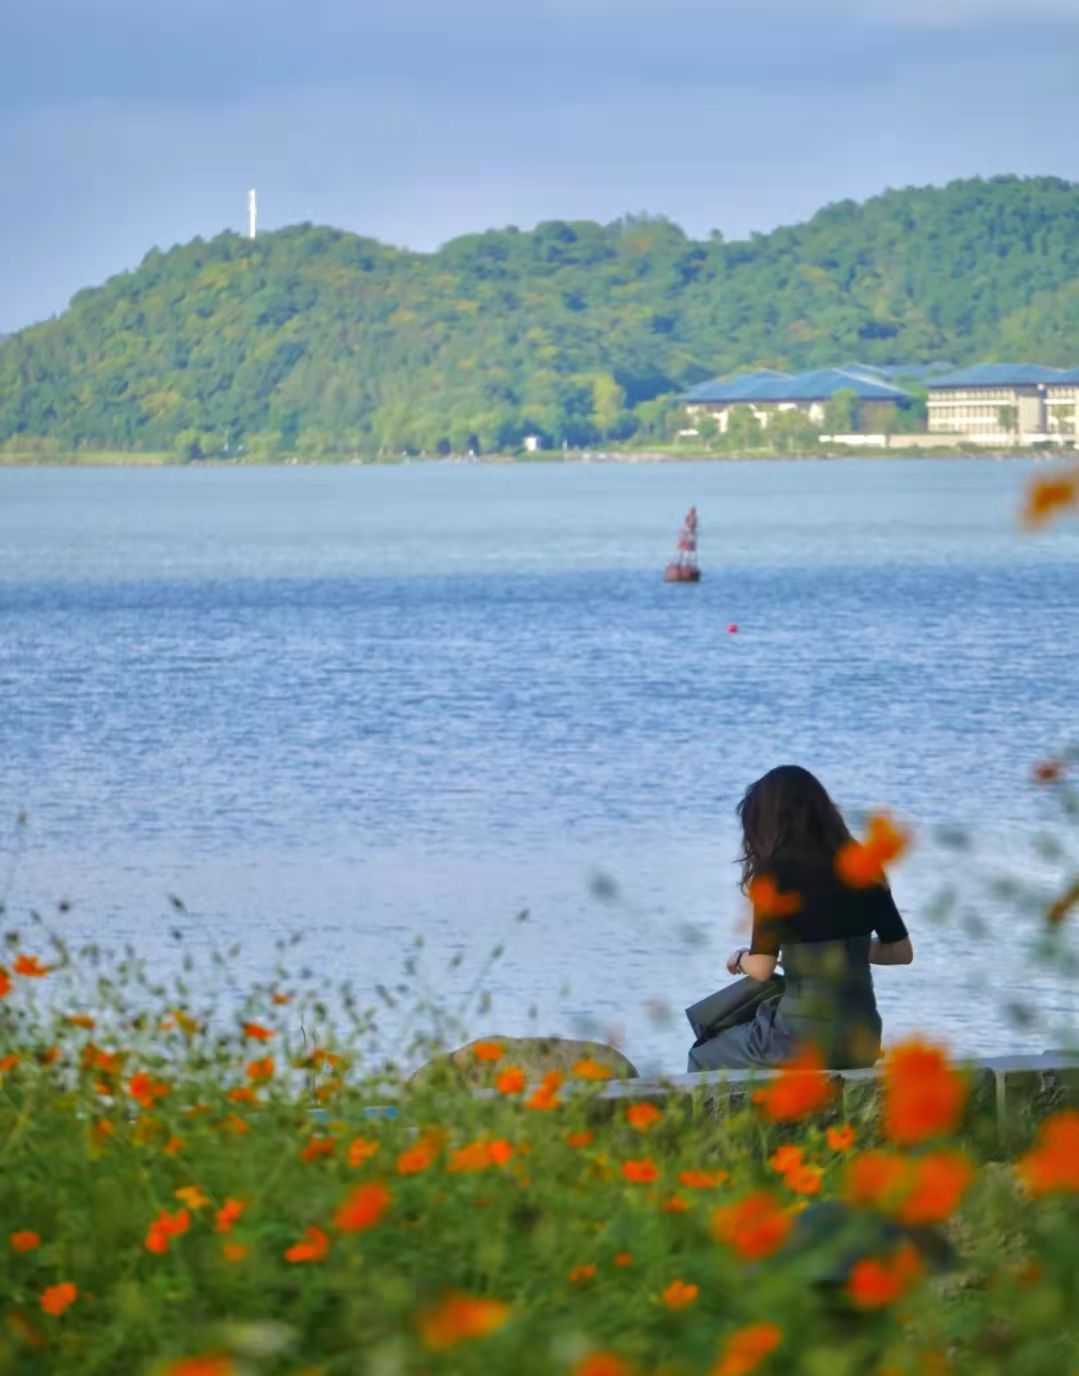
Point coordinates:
[(192, 1196)]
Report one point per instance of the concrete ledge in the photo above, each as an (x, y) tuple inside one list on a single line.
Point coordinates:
[(1016, 1091), (1041, 1063)]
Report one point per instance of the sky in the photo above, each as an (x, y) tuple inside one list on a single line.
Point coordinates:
[(128, 124)]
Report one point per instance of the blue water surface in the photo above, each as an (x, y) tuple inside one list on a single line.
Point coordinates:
[(371, 703)]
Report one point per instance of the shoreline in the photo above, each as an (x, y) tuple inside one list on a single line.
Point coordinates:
[(113, 459)]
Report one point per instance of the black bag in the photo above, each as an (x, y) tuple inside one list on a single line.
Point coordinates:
[(733, 1004)]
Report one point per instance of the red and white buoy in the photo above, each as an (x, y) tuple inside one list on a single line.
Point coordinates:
[(684, 568)]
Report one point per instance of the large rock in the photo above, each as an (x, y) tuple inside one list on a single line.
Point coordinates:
[(535, 1055)]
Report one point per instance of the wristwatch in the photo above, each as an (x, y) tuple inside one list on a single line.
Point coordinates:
[(738, 962)]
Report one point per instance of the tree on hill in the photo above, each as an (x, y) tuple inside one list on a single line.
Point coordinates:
[(316, 340)]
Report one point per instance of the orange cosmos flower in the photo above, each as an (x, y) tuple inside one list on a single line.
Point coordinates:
[(641, 1172), (24, 1241), (702, 1180), (643, 1116), (785, 1158), (280, 998), (923, 1095), (164, 1228), (677, 1204), (459, 1318), (478, 1155), (313, 1247), (487, 1051), (262, 1068), (56, 1298), (511, 1080), (622, 1259), (755, 1227), (1048, 495), (579, 1139), (804, 1179), (546, 1097), (417, 1158), (30, 967), (361, 1149), (362, 1208), (145, 1090), (83, 1020), (841, 1139), (679, 1294), (859, 864), (8, 1062), (104, 1062), (798, 1090), (1059, 909), (192, 1196), (242, 1094), (876, 1178), (588, 1069), (235, 1125), (768, 902), (228, 1214), (746, 1348), (234, 1252), (939, 1183), (602, 1364), (256, 1032), (5, 982), (50, 1055), (581, 1275), (1052, 1167), (472, 1157), (874, 1283), (499, 1151), (173, 1146), (209, 1365), (318, 1147)]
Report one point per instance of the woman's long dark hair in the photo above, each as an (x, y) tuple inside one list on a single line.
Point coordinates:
[(788, 815)]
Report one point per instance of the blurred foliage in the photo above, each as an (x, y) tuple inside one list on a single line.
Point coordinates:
[(202, 1181), (315, 341)]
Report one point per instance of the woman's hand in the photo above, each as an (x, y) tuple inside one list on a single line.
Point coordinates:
[(759, 967)]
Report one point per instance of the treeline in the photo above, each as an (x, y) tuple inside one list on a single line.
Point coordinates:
[(317, 341)]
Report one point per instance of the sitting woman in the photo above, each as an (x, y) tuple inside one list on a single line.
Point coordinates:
[(827, 934)]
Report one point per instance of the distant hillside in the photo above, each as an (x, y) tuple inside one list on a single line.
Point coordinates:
[(321, 340)]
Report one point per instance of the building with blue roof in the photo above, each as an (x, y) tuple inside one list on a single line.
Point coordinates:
[(1062, 406), (767, 391), (996, 403)]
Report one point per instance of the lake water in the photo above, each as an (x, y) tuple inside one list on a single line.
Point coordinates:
[(366, 704)]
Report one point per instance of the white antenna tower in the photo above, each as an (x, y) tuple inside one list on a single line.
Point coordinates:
[(252, 214)]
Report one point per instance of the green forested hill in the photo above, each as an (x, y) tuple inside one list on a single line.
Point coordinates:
[(319, 340)]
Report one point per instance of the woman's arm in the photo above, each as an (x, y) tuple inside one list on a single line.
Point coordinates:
[(759, 967), (891, 952)]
